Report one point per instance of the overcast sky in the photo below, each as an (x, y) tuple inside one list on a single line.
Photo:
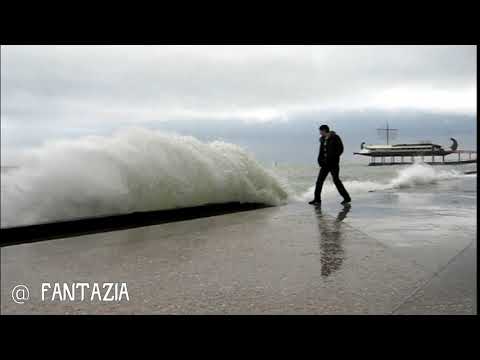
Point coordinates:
[(98, 87)]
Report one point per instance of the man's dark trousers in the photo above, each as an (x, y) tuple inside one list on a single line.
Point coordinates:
[(335, 171)]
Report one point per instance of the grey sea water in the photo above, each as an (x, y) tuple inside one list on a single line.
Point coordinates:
[(137, 170), (365, 178), (447, 185)]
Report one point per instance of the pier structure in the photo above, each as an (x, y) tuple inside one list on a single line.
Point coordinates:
[(428, 152), (463, 157)]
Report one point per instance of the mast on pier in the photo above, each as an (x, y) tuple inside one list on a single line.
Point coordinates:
[(388, 132)]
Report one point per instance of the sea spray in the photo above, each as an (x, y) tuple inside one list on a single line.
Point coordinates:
[(133, 170), (421, 174), (417, 174)]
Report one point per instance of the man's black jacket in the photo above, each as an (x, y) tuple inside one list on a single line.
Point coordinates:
[(334, 149)]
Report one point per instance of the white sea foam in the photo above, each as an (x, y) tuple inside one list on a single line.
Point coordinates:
[(418, 174), (133, 170), (422, 174)]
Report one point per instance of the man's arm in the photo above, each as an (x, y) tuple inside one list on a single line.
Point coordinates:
[(336, 150), (319, 156), (339, 146)]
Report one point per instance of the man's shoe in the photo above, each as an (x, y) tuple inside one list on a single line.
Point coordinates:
[(346, 202), (315, 202)]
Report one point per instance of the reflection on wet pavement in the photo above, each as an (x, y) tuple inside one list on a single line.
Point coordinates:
[(331, 238)]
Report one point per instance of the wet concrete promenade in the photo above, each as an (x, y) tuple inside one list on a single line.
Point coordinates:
[(370, 258)]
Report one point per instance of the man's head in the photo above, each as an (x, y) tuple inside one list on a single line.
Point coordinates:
[(324, 130)]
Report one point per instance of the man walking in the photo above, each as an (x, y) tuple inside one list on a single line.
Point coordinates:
[(331, 148)]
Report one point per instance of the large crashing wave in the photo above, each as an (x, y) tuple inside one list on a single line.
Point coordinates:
[(418, 174), (133, 170)]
